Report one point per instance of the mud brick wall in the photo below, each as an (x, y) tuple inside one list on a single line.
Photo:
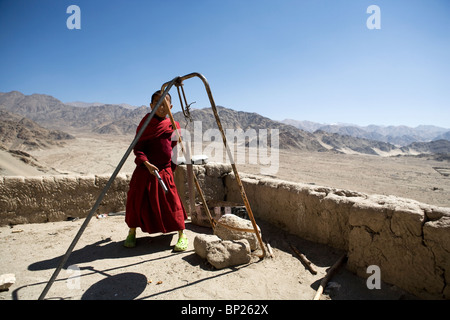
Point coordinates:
[(56, 198), (211, 178), (409, 241)]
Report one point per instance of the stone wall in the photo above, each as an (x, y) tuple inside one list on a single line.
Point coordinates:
[(409, 241)]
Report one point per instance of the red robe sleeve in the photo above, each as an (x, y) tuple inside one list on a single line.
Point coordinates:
[(140, 155)]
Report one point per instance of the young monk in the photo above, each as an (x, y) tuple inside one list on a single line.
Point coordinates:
[(148, 206)]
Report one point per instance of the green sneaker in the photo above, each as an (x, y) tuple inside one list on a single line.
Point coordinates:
[(182, 244), (130, 241)]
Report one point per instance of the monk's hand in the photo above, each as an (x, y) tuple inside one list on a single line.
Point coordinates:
[(153, 169)]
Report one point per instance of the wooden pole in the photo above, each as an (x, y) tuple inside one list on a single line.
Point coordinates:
[(233, 165), (304, 260), (328, 276), (189, 166), (194, 177)]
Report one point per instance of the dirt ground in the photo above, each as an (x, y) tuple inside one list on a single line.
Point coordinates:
[(103, 269)]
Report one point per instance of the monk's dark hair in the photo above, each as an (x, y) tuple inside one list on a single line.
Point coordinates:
[(157, 94)]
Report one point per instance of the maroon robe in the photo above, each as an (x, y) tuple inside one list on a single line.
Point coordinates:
[(148, 207)]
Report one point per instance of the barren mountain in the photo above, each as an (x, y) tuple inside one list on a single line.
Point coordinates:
[(445, 136), (397, 135), (347, 143), (115, 119), (291, 137), (20, 133), (52, 113), (81, 104), (231, 120)]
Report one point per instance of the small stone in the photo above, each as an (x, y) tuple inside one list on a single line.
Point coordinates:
[(6, 281)]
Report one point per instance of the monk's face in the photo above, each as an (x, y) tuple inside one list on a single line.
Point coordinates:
[(164, 108)]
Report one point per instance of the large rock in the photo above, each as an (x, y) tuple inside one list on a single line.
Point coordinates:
[(232, 220), (222, 253), (201, 242)]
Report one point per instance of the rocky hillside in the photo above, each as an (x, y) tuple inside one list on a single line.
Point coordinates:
[(437, 146), (20, 133), (53, 114)]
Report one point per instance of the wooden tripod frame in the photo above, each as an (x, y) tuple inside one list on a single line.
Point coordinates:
[(179, 82)]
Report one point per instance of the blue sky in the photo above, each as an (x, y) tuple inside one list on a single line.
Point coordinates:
[(305, 59)]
